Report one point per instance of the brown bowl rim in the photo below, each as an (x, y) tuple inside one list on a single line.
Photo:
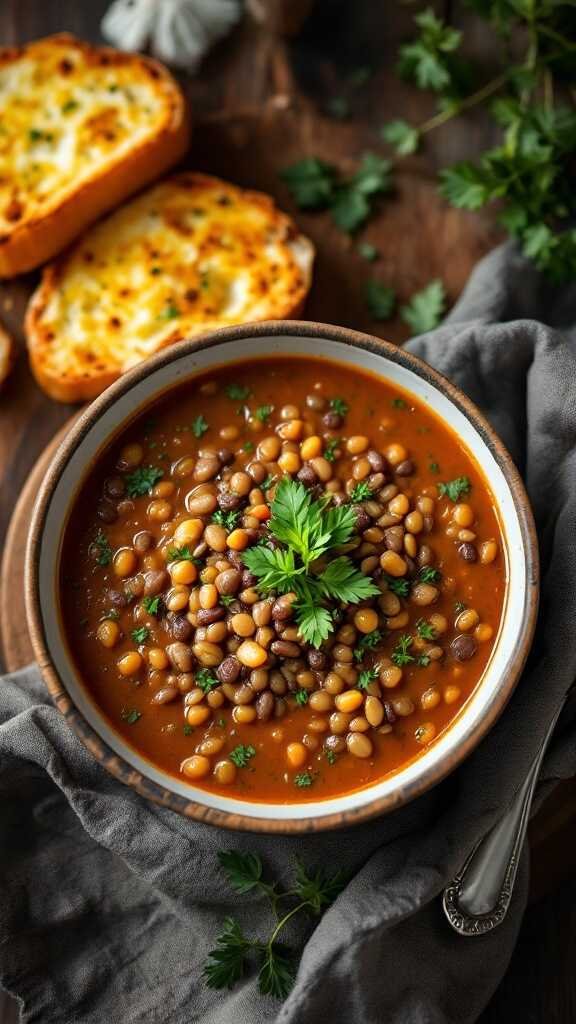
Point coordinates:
[(159, 794)]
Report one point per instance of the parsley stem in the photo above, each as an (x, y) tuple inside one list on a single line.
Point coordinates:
[(562, 41), (284, 920), (469, 101)]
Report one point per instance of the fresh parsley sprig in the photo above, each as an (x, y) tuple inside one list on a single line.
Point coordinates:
[(142, 480), (317, 185), (312, 893), (308, 530)]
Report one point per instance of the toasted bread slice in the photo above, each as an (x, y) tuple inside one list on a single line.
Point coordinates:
[(81, 128), (191, 254), (7, 354)]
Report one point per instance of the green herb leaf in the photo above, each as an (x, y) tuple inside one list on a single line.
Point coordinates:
[(315, 624), (361, 491), (276, 975), (142, 480), (366, 677), (180, 554), (403, 136), (399, 403), (140, 635), (454, 489), (227, 599), (226, 519), (401, 654), (368, 251), (423, 660), (380, 300), (434, 467), (237, 392), (199, 426), (331, 445), (243, 870), (263, 412), (339, 406), (303, 779), (301, 697), (225, 964), (104, 556), (241, 755), (206, 679), (152, 605), (69, 106), (398, 586), (170, 312), (330, 756), (425, 630), (311, 183), (318, 889), (130, 716), (367, 642), (342, 581), (429, 575), (424, 311)]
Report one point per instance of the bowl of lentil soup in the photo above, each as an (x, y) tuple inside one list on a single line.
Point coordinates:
[(282, 578)]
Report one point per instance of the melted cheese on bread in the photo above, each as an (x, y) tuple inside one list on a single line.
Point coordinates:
[(189, 255), (66, 110)]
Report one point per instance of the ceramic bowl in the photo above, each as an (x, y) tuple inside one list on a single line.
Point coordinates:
[(102, 421)]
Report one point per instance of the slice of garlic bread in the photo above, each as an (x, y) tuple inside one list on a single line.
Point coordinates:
[(7, 354), (81, 128), (189, 255)]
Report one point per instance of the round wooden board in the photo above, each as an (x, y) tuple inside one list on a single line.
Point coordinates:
[(15, 647)]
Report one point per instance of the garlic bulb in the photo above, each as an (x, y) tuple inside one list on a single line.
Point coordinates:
[(178, 32)]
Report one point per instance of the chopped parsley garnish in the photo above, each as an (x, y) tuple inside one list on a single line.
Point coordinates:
[(303, 779), (241, 755), (460, 606), (130, 715), (339, 406), (35, 135), (429, 575), (104, 550), (401, 653), (380, 299), (399, 403), (268, 482), (361, 491), (140, 635), (424, 311), (188, 729), (199, 426), (142, 480), (69, 106), (301, 697), (155, 271), (330, 756), (366, 643), (227, 599), (454, 489), (400, 587), (248, 446), (206, 680), (368, 251), (425, 630), (182, 554), (306, 530), (170, 312), (331, 445), (423, 660), (226, 519), (365, 678), (152, 605), (263, 412), (317, 185), (434, 467), (237, 392)]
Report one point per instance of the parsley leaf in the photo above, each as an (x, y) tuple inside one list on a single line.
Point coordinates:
[(130, 716), (316, 185), (142, 480), (243, 870), (428, 60), (317, 888), (152, 605), (263, 412), (339, 406), (366, 677), (311, 183), (401, 653), (104, 551), (226, 519), (361, 491), (425, 630), (276, 975), (241, 755), (367, 642), (398, 586), (429, 575), (206, 679), (330, 451), (238, 392), (199, 426), (424, 311), (170, 312), (303, 779), (403, 136), (380, 300), (225, 964), (454, 489), (227, 599), (140, 635), (301, 697), (180, 554), (368, 251)]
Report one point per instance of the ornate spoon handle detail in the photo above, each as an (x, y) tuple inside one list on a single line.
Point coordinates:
[(477, 899)]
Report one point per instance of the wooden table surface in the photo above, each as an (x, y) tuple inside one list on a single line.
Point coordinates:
[(260, 103)]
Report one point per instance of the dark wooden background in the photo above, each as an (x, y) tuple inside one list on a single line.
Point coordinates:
[(263, 100)]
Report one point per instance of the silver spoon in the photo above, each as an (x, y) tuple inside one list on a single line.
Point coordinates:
[(477, 899)]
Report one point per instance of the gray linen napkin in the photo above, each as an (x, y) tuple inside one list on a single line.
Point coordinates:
[(109, 905)]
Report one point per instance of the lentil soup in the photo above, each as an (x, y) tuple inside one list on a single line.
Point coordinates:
[(283, 581)]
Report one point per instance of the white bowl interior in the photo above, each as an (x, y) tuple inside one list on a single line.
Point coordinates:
[(179, 370)]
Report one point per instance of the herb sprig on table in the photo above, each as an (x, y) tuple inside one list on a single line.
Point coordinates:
[(308, 530), (528, 173), (312, 893)]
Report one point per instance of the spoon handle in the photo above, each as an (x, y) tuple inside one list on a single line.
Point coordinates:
[(477, 899)]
